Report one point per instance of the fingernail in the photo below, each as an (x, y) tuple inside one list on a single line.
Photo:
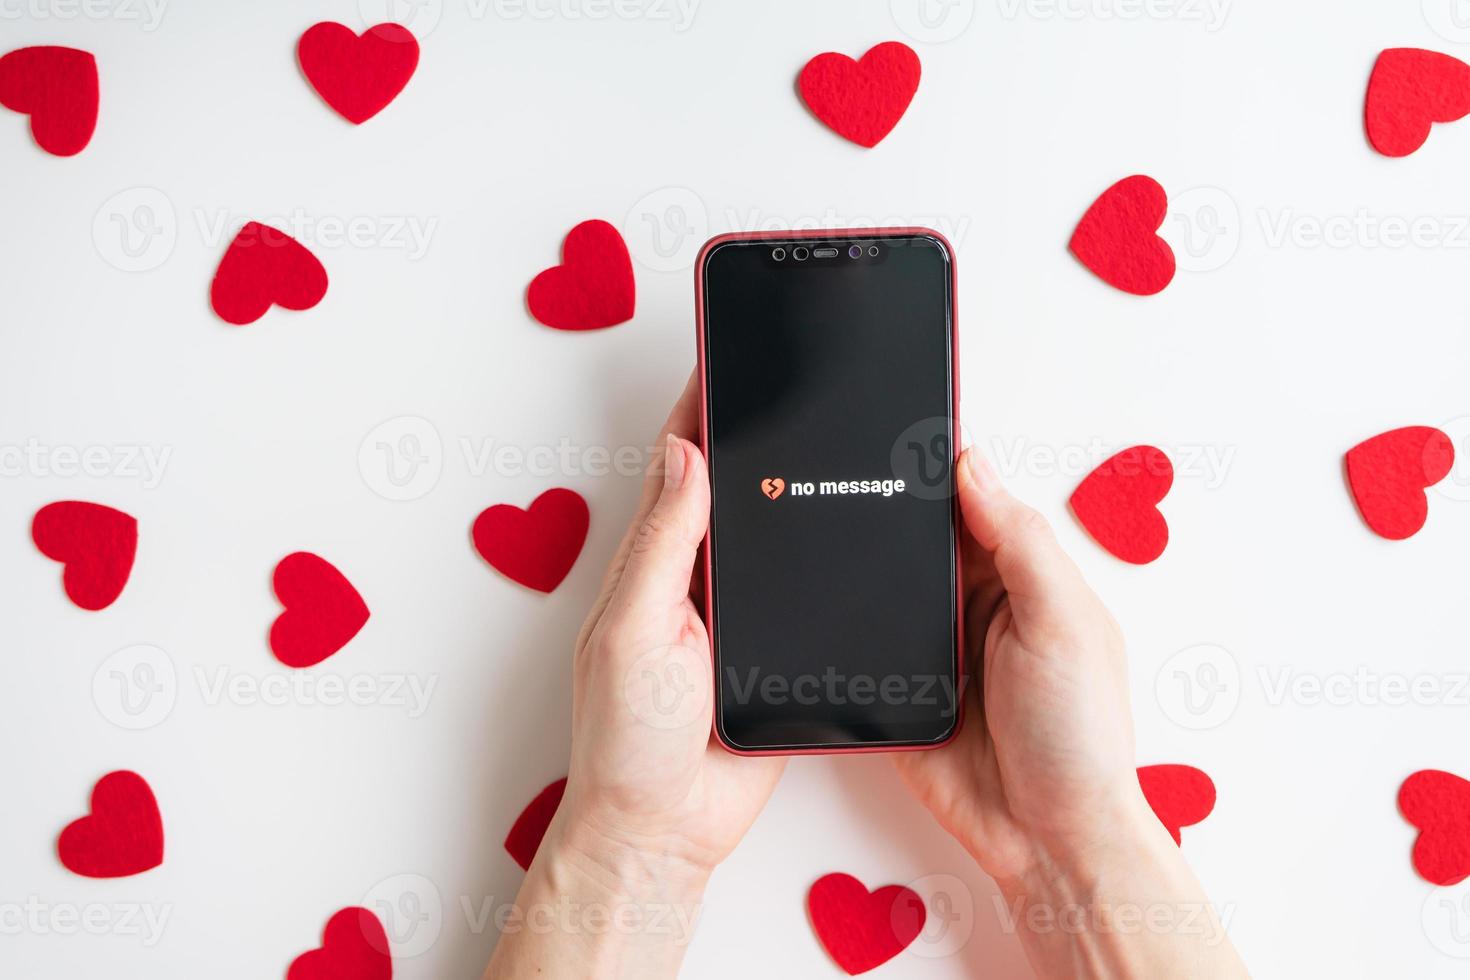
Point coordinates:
[(673, 463)]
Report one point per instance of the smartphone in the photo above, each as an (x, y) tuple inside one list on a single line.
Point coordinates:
[(830, 401)]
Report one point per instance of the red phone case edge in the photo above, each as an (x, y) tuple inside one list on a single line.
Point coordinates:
[(954, 364)]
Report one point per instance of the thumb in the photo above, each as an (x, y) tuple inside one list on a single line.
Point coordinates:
[(661, 560), (1031, 564)]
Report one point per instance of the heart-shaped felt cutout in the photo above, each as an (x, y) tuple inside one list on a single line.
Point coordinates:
[(1180, 796), (1410, 90), (861, 100), (860, 929), (264, 266), (123, 835), (526, 833), (57, 88), (1438, 803), (96, 544), (592, 288), (537, 546), (773, 486), (1117, 237), (323, 610), (1118, 503), (1389, 473), (358, 75), (354, 947)]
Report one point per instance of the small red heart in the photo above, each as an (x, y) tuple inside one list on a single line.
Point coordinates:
[(537, 546), (861, 100), (861, 929), (354, 947), (57, 88), (323, 610), (526, 833), (1117, 237), (96, 544), (1181, 796), (1410, 90), (1118, 503), (592, 288), (1438, 803), (123, 835), (1389, 473), (358, 75), (264, 266)]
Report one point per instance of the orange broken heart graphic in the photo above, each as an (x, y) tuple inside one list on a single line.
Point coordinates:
[(773, 486)]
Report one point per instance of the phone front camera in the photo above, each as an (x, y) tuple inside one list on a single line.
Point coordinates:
[(799, 253), (778, 254), (853, 251)]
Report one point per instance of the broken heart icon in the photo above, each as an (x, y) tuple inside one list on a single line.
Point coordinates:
[(773, 486)]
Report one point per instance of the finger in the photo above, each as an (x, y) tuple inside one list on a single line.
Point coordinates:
[(683, 421), (664, 547), (1031, 564)]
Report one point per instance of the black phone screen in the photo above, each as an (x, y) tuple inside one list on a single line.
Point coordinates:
[(830, 439)]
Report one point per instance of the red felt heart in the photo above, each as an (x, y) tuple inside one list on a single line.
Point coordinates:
[(358, 75), (354, 947), (1438, 803), (861, 929), (1180, 796), (1117, 239), (592, 288), (57, 88), (323, 610), (123, 835), (96, 544), (1389, 473), (264, 266), (538, 546), (1410, 90), (526, 833), (1118, 503), (861, 100)]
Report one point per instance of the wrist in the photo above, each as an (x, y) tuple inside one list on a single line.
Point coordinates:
[(624, 864), (1122, 838)]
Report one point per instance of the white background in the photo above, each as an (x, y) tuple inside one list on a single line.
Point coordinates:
[(1276, 357)]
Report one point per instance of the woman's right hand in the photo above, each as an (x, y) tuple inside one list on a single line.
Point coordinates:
[(1040, 784)]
